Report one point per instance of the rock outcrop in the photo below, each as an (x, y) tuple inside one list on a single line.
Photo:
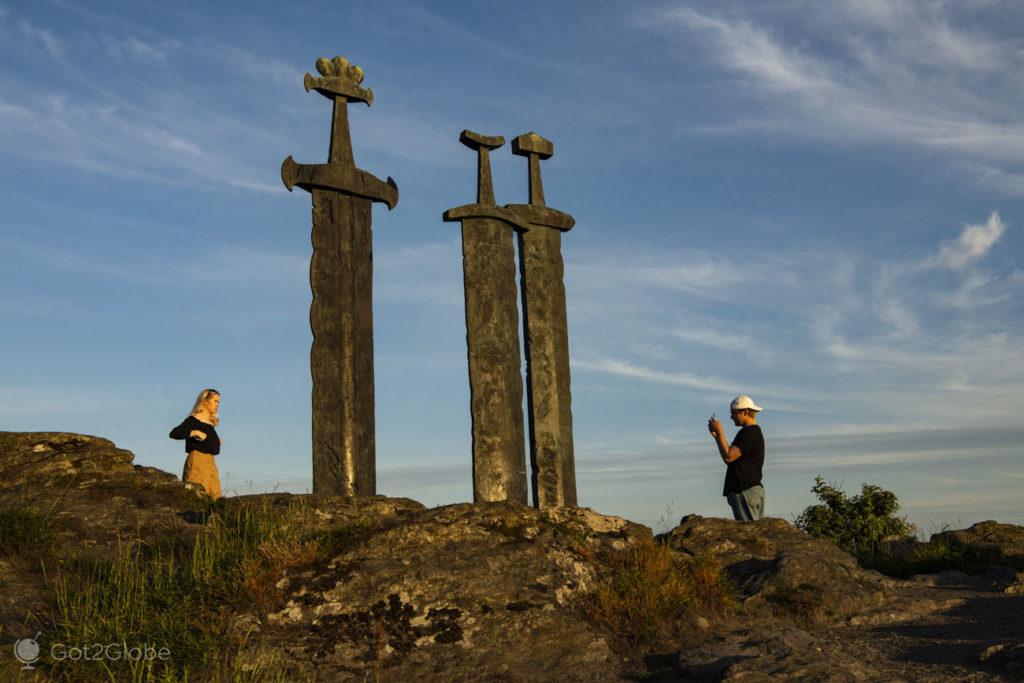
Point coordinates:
[(780, 569), (1005, 539), (503, 591), (446, 591)]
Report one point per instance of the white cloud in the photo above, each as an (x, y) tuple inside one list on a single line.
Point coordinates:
[(122, 141), (143, 52), (237, 265), (973, 243), (624, 368), (259, 68), (45, 38), (978, 290), (751, 50), (727, 341), (881, 72)]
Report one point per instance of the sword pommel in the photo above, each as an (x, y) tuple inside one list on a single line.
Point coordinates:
[(478, 141), (338, 77), (531, 143)]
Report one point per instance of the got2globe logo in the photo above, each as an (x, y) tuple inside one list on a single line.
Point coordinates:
[(27, 652)]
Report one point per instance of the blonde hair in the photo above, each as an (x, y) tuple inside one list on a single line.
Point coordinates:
[(201, 399)]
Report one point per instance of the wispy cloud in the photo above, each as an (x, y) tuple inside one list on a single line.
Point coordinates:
[(44, 37), (973, 243), (625, 368), (863, 334), (237, 265), (143, 52), (894, 73), (109, 139)]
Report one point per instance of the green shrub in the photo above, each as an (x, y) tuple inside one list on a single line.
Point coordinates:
[(857, 524), (939, 554)]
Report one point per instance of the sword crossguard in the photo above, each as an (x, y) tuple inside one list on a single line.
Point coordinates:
[(348, 180), (484, 206), (537, 213), (340, 83)]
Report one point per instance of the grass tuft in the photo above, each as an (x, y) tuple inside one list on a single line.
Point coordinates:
[(653, 591), (903, 560), (25, 531), (180, 596)]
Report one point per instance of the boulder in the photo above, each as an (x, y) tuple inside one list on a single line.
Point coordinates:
[(780, 569), (1006, 540), (470, 592)]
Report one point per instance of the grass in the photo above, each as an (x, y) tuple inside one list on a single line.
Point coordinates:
[(181, 594), (23, 530), (653, 591), (942, 553)]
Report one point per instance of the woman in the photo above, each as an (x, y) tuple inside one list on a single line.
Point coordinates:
[(201, 442)]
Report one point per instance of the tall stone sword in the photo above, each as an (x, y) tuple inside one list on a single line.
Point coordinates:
[(546, 333), (492, 335), (341, 276)]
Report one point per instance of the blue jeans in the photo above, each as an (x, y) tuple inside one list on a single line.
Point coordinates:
[(748, 505)]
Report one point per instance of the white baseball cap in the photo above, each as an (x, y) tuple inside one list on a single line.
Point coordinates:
[(744, 403)]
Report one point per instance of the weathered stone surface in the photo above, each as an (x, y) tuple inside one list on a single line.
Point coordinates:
[(1007, 658), (341, 358), (492, 338), (547, 368), (495, 381), (46, 458), (451, 588), (780, 569), (341, 276), (546, 335), (778, 653)]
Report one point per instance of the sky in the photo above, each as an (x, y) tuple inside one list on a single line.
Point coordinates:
[(816, 203)]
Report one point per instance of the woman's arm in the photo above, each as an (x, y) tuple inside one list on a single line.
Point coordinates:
[(182, 430)]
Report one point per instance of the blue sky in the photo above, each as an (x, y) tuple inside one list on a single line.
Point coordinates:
[(816, 203)]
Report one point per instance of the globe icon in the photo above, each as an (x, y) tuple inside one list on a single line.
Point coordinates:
[(26, 650)]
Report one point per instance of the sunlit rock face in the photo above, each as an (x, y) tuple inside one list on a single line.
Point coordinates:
[(775, 565)]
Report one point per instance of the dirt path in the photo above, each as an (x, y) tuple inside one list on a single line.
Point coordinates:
[(940, 633)]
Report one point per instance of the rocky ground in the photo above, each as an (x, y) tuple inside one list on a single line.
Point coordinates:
[(505, 592)]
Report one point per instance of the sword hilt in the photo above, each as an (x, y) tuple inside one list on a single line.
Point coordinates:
[(483, 144), (536, 148)]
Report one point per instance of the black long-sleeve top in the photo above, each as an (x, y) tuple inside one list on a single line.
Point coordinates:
[(211, 444)]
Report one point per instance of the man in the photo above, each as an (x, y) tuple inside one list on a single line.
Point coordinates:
[(743, 460)]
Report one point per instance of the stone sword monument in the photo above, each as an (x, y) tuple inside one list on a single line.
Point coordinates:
[(492, 335), (546, 334), (341, 277)]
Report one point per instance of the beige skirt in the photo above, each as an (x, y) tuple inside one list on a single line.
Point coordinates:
[(201, 468)]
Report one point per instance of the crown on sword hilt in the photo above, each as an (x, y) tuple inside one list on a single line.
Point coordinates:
[(338, 77)]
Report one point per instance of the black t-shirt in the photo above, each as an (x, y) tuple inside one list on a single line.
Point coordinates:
[(745, 471), (211, 444)]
